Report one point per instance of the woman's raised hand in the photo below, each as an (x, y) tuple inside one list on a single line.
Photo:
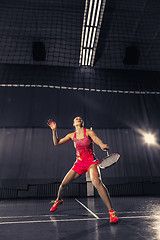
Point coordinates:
[(51, 124)]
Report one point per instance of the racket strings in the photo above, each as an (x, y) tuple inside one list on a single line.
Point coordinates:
[(109, 160)]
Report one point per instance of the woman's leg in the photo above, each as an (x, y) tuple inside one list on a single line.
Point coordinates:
[(101, 188), (71, 175)]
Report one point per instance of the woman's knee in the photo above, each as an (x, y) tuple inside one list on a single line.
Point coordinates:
[(96, 182)]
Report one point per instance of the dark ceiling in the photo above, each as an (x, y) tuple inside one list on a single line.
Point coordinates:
[(129, 37)]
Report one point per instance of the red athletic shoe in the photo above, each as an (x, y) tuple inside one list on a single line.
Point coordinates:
[(55, 205), (113, 216)]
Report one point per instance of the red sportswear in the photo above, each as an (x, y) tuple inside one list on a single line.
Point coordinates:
[(85, 154)]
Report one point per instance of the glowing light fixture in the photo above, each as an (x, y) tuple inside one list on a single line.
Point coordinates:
[(93, 15), (149, 138)]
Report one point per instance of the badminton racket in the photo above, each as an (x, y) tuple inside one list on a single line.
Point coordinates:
[(109, 160)]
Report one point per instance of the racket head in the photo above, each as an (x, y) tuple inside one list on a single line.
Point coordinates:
[(109, 160)]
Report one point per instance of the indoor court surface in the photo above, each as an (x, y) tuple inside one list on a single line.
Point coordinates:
[(80, 218)]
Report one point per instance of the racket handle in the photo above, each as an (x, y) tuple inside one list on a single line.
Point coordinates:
[(107, 153)]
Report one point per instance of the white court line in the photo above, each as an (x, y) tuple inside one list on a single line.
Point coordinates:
[(150, 217), (35, 216), (74, 220), (134, 212), (87, 209), (49, 221)]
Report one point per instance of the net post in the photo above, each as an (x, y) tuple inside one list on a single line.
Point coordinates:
[(90, 187)]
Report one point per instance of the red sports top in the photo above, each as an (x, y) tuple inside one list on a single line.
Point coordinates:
[(84, 148)]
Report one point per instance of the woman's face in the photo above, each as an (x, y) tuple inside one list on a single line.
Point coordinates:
[(78, 121)]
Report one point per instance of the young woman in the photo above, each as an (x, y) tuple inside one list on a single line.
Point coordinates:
[(86, 161)]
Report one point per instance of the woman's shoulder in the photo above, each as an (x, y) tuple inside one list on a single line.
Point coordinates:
[(88, 131), (71, 135)]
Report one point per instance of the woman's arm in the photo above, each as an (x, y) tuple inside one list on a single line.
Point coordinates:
[(97, 140), (57, 141)]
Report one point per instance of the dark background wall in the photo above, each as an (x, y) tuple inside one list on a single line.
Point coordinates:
[(27, 153)]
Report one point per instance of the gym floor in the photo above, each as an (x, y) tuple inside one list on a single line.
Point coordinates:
[(80, 218)]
